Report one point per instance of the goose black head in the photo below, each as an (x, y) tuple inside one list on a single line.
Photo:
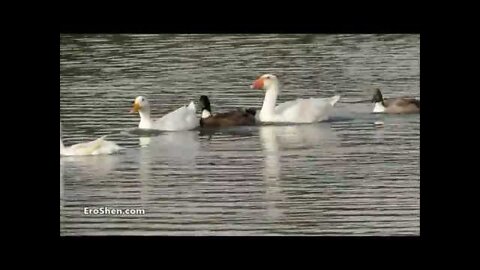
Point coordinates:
[(205, 103), (377, 96)]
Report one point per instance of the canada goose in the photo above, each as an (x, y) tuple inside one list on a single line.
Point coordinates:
[(183, 118), (394, 105), (239, 117)]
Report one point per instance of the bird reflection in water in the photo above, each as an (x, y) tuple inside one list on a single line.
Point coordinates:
[(278, 139)]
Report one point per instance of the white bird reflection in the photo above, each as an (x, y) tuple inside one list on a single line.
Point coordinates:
[(144, 141), (276, 140), (100, 166), (77, 168), (271, 170), (297, 136), (61, 183), (174, 149)]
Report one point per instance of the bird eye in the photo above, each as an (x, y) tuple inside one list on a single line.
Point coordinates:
[(142, 99), (133, 102)]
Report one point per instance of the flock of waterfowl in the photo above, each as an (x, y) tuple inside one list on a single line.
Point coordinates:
[(185, 118)]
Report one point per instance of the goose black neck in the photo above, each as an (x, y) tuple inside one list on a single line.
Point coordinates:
[(205, 104), (377, 97)]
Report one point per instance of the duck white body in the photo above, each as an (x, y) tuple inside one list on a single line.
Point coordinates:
[(295, 111), (99, 146), (183, 118)]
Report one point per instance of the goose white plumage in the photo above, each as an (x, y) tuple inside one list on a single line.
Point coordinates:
[(295, 111), (183, 118), (99, 146)]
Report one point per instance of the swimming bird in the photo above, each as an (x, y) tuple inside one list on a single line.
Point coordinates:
[(394, 105), (295, 111), (183, 118), (240, 117), (99, 146)]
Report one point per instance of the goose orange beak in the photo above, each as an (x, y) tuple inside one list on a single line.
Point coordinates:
[(257, 84), (136, 108)]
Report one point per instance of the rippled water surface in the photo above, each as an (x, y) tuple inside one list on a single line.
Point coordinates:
[(341, 177)]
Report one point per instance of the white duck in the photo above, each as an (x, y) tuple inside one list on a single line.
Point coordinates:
[(183, 118), (99, 146), (295, 111)]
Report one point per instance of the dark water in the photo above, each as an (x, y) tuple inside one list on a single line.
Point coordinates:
[(342, 177)]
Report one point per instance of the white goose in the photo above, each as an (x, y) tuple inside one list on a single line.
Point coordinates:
[(99, 146), (183, 118), (295, 111)]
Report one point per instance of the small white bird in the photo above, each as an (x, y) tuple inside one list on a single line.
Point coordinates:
[(183, 118), (99, 146)]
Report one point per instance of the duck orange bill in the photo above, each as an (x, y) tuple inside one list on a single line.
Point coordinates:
[(257, 84), (135, 108)]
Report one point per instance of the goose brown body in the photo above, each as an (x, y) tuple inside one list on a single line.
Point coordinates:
[(395, 105), (233, 118)]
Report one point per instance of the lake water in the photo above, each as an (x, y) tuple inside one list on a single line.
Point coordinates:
[(341, 177)]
